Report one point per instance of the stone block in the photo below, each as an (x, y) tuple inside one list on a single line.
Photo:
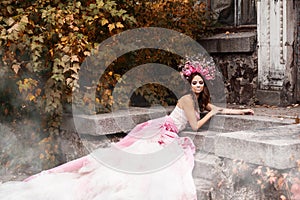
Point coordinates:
[(241, 42), (277, 147), (231, 123), (203, 188), (205, 166), (111, 123), (206, 137), (270, 97), (204, 140)]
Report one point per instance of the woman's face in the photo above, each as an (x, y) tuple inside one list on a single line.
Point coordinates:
[(197, 84)]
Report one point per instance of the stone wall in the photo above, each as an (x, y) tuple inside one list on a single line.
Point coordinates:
[(276, 28), (236, 56), (240, 76), (297, 47), (262, 65)]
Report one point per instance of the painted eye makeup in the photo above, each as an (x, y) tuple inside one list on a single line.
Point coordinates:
[(201, 83)]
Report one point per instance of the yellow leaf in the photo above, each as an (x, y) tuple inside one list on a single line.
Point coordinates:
[(13, 28), (78, 4), (75, 28), (51, 52), (69, 81), (117, 77), (100, 4), (75, 67), (119, 25), (16, 68), (63, 39), (30, 97), (24, 19), (74, 58), (104, 21), (111, 27), (10, 21), (87, 53)]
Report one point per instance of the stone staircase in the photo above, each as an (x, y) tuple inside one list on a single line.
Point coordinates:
[(204, 174), (253, 139), (206, 163), (227, 135)]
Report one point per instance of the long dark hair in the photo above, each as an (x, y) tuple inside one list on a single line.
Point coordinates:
[(204, 96)]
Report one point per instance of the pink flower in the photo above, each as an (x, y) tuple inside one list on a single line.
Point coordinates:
[(187, 72), (204, 72), (209, 77), (199, 64), (193, 70)]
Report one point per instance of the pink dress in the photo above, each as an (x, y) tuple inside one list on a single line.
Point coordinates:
[(152, 162)]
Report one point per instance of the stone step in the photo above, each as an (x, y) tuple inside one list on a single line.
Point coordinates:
[(276, 147), (205, 165), (114, 122), (203, 188), (231, 123), (204, 140), (206, 137)]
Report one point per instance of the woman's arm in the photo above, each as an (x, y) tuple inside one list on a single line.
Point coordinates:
[(230, 111), (187, 104)]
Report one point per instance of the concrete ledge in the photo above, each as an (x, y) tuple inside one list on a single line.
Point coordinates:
[(242, 42), (112, 123), (205, 138), (276, 147), (231, 123)]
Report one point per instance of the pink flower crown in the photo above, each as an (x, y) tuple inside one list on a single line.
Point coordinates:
[(201, 64)]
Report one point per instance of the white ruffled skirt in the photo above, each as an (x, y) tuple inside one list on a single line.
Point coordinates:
[(152, 162)]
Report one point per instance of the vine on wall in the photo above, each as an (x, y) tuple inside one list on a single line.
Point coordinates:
[(44, 42), (42, 45)]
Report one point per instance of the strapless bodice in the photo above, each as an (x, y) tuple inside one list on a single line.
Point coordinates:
[(179, 118)]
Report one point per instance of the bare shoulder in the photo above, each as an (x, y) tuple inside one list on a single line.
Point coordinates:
[(186, 97), (184, 100)]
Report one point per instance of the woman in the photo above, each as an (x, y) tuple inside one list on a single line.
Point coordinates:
[(88, 178)]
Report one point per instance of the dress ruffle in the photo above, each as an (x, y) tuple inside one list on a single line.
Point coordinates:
[(88, 179)]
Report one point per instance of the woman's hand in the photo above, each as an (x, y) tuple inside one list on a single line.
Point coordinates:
[(228, 111)]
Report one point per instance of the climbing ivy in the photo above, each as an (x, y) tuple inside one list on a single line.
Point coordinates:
[(44, 42)]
